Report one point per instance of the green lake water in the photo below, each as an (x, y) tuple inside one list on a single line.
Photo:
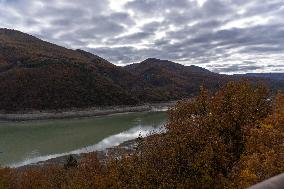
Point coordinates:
[(23, 143)]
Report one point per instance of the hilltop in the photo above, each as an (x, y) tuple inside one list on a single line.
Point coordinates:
[(176, 79)]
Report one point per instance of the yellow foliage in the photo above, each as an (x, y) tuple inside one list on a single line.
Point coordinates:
[(267, 126)]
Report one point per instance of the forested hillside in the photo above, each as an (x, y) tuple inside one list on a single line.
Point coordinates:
[(38, 75), (176, 79), (35, 74)]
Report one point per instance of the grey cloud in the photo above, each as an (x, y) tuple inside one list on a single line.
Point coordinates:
[(155, 6), (237, 68), (186, 32), (106, 26), (125, 54), (55, 12), (134, 38), (153, 26), (266, 7), (216, 8), (162, 42), (122, 18)]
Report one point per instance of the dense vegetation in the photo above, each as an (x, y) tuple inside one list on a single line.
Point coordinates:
[(37, 75), (229, 139), (176, 79)]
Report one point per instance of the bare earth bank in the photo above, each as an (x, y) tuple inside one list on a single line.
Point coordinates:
[(77, 113)]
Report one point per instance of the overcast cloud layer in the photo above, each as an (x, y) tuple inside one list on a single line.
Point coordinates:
[(226, 36)]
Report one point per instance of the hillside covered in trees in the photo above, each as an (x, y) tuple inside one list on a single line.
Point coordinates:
[(37, 75), (232, 138), (176, 79)]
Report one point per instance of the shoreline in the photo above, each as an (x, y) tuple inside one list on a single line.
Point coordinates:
[(127, 147), (80, 113)]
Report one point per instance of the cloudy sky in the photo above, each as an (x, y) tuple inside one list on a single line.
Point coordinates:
[(226, 36)]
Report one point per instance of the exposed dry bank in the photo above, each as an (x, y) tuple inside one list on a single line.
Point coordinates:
[(77, 113)]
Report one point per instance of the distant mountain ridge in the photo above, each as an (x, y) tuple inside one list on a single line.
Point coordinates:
[(38, 75), (273, 76)]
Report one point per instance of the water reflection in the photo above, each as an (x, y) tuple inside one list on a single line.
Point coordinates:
[(108, 142)]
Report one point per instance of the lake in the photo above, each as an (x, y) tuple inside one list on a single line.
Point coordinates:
[(23, 143)]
